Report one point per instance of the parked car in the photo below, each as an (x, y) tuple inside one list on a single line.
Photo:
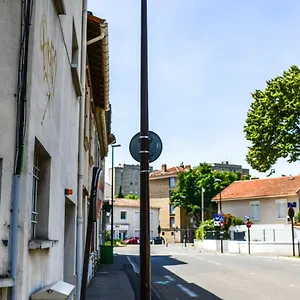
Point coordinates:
[(132, 241), (157, 240)]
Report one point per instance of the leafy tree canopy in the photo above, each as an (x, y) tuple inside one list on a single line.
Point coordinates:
[(189, 190), (131, 196), (273, 122)]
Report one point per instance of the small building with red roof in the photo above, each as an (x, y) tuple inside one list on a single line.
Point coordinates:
[(265, 201)]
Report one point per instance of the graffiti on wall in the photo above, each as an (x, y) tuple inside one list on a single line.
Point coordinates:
[(49, 64)]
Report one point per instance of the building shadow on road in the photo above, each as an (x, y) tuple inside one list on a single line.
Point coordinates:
[(165, 284)]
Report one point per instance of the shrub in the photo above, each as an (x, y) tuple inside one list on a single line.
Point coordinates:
[(134, 197), (297, 217), (107, 235), (208, 225), (205, 226)]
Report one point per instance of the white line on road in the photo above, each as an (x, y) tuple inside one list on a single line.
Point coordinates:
[(214, 262), (170, 278), (274, 261), (292, 285), (200, 258), (257, 275), (210, 261), (187, 291), (134, 266)]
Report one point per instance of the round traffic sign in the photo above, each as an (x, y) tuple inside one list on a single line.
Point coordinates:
[(291, 212), (248, 224), (155, 147)]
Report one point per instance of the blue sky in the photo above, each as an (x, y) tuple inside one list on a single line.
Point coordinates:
[(205, 59)]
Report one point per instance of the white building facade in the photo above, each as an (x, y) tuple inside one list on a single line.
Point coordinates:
[(127, 219), (39, 165)]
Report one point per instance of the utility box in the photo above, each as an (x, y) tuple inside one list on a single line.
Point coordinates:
[(55, 291), (107, 254)]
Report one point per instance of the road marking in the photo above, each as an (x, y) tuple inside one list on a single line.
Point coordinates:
[(213, 262), (274, 261), (200, 258), (292, 285), (263, 277), (187, 291), (134, 266), (210, 261), (170, 278)]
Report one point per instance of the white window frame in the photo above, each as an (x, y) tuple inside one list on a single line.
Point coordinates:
[(172, 182), (254, 203), (123, 211), (278, 203)]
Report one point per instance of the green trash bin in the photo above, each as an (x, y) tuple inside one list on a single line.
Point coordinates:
[(106, 254)]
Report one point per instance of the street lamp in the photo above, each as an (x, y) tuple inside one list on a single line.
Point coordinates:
[(202, 203), (112, 194), (221, 213), (219, 180)]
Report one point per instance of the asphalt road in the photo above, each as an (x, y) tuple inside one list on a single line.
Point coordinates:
[(184, 273)]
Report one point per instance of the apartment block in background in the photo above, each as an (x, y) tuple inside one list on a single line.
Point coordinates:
[(162, 182), (225, 166), (128, 177)]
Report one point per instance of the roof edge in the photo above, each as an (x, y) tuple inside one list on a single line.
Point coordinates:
[(217, 199)]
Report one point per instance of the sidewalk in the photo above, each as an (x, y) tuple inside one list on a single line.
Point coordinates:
[(110, 283)]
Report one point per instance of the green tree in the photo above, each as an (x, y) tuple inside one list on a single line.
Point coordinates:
[(131, 196), (189, 189), (273, 122), (120, 194)]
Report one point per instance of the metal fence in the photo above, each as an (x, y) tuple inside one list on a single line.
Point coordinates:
[(256, 235)]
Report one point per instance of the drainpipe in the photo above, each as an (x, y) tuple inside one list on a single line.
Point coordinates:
[(79, 237), (16, 179)]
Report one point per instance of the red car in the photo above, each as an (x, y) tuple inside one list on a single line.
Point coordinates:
[(132, 241)]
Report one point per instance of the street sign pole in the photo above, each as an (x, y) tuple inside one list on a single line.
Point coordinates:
[(248, 224), (221, 235), (145, 276), (222, 244), (249, 240), (291, 214)]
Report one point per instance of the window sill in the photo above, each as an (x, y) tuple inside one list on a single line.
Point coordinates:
[(6, 282), (41, 244)]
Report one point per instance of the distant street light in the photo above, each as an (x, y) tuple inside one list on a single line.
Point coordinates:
[(112, 194), (202, 204)]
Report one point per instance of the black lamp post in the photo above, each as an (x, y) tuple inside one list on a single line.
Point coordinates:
[(112, 195)]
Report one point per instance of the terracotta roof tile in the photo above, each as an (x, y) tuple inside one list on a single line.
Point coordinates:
[(246, 189), (170, 171), (128, 203)]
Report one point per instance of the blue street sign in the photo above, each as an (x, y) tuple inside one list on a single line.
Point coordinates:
[(219, 218), (216, 217), (290, 204)]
